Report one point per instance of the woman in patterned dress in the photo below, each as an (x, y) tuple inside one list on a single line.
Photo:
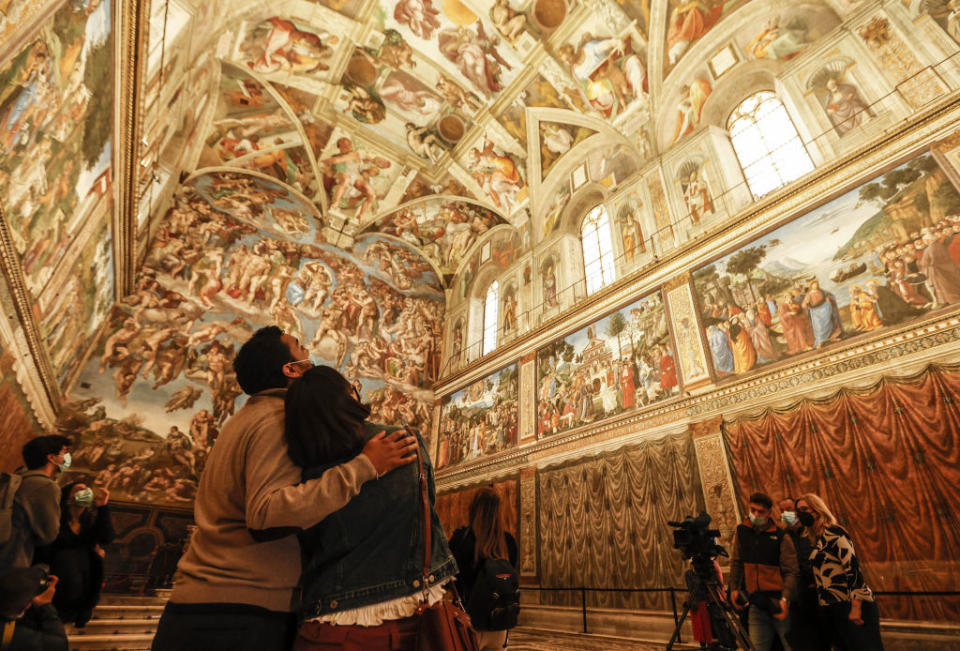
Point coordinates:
[(847, 605)]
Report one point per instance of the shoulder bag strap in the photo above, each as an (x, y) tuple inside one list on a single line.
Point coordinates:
[(425, 504)]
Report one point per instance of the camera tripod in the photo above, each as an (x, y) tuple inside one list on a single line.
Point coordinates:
[(730, 626)]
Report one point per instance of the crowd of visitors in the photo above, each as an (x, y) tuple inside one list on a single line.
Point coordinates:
[(316, 528)]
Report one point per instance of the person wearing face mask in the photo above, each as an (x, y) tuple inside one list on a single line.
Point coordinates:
[(804, 625), (764, 574), (846, 602), (35, 517), (76, 556)]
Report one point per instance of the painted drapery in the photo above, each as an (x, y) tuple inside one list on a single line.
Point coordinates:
[(887, 461), (603, 522)]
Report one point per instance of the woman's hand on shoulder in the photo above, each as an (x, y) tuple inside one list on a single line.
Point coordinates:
[(390, 451)]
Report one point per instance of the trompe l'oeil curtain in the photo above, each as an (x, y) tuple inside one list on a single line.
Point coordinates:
[(454, 508), (886, 459), (603, 522)]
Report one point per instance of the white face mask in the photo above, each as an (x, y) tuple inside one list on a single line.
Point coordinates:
[(789, 518), (66, 462)]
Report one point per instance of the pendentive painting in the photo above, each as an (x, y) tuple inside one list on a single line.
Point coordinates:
[(624, 361), (881, 255), (479, 420)]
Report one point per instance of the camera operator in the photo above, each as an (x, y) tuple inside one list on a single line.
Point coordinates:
[(28, 621), (804, 626), (764, 574)]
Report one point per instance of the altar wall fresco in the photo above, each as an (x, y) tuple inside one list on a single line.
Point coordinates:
[(236, 253)]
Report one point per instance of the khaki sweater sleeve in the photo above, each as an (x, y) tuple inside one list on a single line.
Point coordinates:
[(275, 496), (40, 500)]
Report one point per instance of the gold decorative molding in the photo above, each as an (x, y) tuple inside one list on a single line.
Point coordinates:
[(130, 45)]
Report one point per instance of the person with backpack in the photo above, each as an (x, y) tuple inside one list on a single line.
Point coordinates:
[(30, 502), (487, 557)]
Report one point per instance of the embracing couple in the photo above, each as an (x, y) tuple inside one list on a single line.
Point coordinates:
[(299, 453)]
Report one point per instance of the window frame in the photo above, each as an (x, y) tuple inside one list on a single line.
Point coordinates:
[(606, 261), (768, 160)]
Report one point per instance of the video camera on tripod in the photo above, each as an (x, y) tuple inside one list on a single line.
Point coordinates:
[(697, 542)]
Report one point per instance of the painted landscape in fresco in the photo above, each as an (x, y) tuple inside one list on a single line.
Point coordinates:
[(236, 253), (623, 361), (55, 110), (881, 255), (480, 420)]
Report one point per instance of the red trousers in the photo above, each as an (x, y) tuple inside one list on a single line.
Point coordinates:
[(394, 635)]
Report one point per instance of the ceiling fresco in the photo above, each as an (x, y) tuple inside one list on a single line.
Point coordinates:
[(363, 106)]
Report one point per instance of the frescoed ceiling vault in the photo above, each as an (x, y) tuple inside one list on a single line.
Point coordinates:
[(434, 120)]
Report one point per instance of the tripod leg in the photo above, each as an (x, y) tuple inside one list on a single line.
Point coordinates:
[(676, 631)]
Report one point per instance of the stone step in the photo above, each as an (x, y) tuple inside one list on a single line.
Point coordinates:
[(131, 600), (525, 638), (123, 642), (98, 626), (127, 611)]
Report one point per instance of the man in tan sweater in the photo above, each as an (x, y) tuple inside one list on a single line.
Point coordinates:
[(232, 592)]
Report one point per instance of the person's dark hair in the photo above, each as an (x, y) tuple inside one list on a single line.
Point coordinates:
[(762, 499), (486, 521), (36, 450), (324, 419), (259, 363)]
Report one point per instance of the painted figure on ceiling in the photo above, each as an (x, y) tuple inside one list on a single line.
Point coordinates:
[(508, 22), (407, 94), (697, 196), (690, 110), (497, 174), (292, 49), (476, 55), (419, 15), (352, 172), (610, 75), (690, 20), (781, 43)]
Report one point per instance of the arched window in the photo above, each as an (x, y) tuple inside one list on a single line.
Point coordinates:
[(490, 318), (767, 144), (597, 244)]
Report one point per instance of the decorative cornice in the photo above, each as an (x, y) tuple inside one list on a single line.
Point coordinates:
[(132, 27), (903, 350)]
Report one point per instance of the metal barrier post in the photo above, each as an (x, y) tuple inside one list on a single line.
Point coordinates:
[(583, 601), (676, 619)]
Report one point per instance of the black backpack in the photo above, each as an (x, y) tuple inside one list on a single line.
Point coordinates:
[(494, 600)]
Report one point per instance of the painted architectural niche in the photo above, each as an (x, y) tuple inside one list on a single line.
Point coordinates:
[(480, 420), (883, 254), (619, 363), (237, 253)]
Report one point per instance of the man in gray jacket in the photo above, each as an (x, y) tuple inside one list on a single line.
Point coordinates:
[(35, 520)]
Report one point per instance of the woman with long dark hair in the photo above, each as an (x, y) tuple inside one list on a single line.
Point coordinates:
[(484, 539), (76, 556), (363, 578)]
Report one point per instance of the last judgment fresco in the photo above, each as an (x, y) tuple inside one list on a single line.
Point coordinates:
[(883, 254), (621, 362), (237, 253)]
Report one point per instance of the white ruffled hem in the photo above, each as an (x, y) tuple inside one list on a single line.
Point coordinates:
[(385, 611)]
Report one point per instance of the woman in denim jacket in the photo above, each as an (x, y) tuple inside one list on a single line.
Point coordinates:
[(363, 565)]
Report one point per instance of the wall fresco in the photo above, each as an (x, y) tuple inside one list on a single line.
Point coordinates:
[(882, 254), (479, 420), (56, 103), (236, 253), (624, 361)]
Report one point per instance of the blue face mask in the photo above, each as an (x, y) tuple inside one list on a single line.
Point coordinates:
[(66, 462), (84, 497), (789, 518)]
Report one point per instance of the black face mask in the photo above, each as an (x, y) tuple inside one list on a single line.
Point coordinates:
[(806, 519)]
